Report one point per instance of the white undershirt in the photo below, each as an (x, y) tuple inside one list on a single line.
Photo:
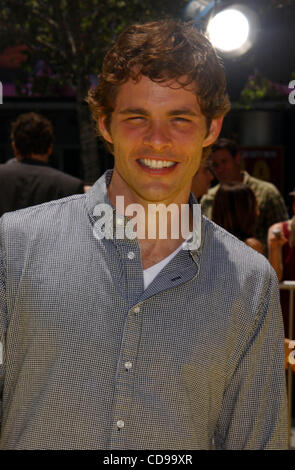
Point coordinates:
[(150, 273)]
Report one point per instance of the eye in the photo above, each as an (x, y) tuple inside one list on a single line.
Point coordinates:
[(181, 120), (136, 119)]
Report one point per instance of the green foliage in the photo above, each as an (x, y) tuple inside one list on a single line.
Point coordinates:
[(259, 88), (71, 36)]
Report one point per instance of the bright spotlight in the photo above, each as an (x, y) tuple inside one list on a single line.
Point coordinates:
[(233, 30), (228, 30)]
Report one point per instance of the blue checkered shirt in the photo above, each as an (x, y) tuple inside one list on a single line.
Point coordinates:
[(91, 360)]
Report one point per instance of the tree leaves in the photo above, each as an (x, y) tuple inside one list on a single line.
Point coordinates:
[(71, 36)]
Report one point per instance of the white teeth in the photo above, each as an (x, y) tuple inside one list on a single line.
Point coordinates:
[(156, 163)]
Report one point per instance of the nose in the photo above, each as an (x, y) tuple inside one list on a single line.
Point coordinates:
[(157, 137)]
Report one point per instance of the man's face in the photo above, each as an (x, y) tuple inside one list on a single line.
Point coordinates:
[(158, 134), (225, 167)]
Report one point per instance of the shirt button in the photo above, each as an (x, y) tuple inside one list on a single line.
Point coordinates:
[(120, 221), (131, 255), (128, 365), (120, 424), (136, 309)]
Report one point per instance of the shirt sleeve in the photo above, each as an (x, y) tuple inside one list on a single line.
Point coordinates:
[(254, 408), (3, 317)]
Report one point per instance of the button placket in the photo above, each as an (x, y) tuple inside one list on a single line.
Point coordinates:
[(130, 253), (129, 351), (125, 380)]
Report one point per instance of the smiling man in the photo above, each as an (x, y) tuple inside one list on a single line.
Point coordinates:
[(129, 342)]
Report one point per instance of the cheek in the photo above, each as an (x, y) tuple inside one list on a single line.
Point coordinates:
[(188, 137)]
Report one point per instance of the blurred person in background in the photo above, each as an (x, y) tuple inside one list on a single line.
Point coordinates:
[(235, 209), (226, 165), (281, 255), (27, 179), (202, 180)]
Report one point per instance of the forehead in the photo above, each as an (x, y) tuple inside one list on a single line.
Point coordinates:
[(151, 95), (223, 154)]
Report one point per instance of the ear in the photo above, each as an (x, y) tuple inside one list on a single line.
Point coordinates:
[(238, 158), (15, 152), (214, 131), (104, 130), (49, 151)]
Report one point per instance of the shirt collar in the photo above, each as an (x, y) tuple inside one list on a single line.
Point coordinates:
[(98, 194), (246, 177)]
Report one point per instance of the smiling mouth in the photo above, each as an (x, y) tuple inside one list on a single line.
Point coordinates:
[(156, 164)]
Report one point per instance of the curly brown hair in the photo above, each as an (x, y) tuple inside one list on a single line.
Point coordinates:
[(165, 50), (32, 134)]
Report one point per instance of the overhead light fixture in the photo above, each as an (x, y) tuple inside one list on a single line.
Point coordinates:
[(231, 27), (233, 30)]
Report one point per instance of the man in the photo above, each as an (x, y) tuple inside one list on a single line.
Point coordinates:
[(201, 180), (27, 179), (226, 165), (116, 342)]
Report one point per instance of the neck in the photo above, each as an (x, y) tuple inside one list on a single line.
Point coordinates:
[(163, 220), (40, 158)]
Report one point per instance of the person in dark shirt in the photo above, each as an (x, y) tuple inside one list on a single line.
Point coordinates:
[(28, 179)]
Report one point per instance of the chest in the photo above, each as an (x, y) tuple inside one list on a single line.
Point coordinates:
[(153, 254)]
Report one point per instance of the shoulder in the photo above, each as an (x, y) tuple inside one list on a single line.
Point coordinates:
[(239, 278), (230, 257), (9, 168), (57, 175), (60, 174), (49, 217), (46, 173), (263, 186)]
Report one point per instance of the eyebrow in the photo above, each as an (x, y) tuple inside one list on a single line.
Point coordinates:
[(183, 112), (174, 112)]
